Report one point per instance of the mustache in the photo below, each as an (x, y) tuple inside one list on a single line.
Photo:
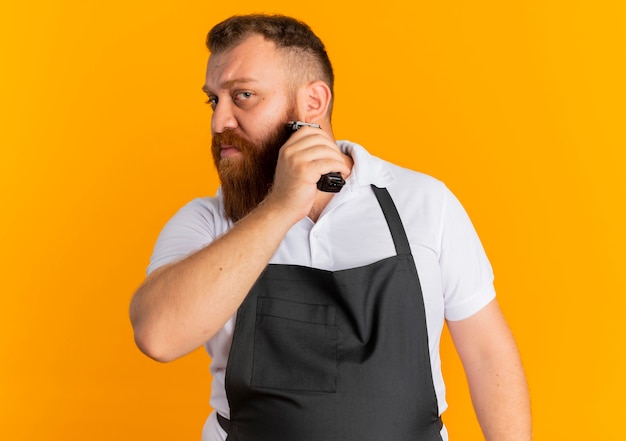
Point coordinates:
[(229, 137)]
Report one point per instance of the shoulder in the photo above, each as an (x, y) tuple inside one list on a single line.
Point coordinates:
[(370, 169), (205, 209), (411, 183), (418, 195), (202, 215)]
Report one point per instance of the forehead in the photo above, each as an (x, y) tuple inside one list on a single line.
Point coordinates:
[(253, 60)]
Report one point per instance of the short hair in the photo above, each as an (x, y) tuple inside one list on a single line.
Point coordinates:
[(305, 53)]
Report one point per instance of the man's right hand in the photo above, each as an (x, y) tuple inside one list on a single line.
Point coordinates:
[(308, 154)]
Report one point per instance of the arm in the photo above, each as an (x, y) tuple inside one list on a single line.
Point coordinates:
[(181, 306), (495, 374)]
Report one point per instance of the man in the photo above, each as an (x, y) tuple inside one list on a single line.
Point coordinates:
[(322, 312)]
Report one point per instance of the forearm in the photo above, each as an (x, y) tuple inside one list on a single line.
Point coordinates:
[(179, 307), (500, 397), (495, 374)]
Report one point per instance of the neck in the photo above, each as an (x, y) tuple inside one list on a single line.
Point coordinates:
[(322, 198), (321, 201)]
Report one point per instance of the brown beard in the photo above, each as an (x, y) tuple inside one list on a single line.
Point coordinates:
[(247, 179)]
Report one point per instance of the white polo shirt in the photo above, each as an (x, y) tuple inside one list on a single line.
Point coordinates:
[(455, 275)]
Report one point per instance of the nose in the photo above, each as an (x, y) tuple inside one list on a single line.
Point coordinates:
[(223, 117)]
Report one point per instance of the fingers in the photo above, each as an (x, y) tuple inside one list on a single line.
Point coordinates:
[(310, 153)]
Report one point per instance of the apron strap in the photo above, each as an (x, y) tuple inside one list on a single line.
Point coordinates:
[(224, 423), (396, 228)]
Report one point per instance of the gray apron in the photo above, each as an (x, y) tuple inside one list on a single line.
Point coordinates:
[(334, 355)]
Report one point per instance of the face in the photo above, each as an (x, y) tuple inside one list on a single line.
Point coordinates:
[(247, 89)]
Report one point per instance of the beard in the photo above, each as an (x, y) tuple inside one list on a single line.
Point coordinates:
[(247, 178)]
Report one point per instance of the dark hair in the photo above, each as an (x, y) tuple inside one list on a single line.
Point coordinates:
[(305, 50)]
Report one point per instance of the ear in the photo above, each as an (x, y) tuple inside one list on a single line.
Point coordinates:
[(314, 101)]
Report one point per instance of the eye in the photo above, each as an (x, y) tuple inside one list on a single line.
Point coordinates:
[(212, 101), (241, 97)]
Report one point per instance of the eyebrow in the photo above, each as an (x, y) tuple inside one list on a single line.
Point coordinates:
[(230, 83)]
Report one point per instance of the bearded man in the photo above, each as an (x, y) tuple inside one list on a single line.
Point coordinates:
[(322, 312)]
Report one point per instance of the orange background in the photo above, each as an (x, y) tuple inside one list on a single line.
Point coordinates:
[(518, 106)]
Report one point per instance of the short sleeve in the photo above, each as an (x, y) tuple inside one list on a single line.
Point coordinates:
[(467, 274), (190, 229)]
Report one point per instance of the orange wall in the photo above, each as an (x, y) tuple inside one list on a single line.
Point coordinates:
[(518, 106)]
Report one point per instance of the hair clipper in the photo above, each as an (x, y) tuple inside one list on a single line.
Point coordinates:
[(330, 182)]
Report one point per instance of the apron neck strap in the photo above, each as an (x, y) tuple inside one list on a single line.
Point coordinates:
[(394, 222)]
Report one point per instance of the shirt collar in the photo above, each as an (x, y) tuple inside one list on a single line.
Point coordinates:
[(367, 169)]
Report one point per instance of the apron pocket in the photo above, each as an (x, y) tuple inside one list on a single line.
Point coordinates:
[(295, 346)]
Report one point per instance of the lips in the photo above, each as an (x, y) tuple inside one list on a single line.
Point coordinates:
[(226, 151)]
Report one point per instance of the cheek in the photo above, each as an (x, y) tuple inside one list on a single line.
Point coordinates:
[(266, 125), (263, 120)]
